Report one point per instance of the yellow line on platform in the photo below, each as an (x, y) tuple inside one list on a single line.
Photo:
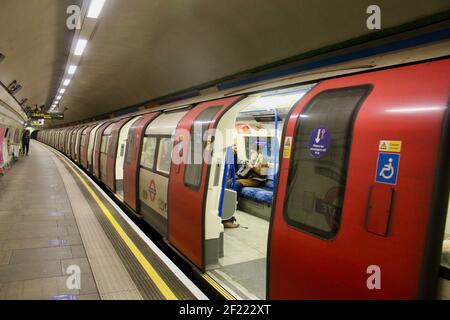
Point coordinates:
[(218, 287), (153, 274)]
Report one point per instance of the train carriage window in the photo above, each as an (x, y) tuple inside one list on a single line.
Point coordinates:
[(196, 147), (148, 152), (318, 171), (130, 145), (105, 144), (164, 155)]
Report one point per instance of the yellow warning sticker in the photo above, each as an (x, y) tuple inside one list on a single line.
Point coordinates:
[(390, 146), (287, 148)]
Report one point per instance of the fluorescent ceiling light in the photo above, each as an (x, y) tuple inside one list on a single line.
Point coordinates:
[(95, 8), (72, 69), (66, 82), (81, 45), (62, 90)]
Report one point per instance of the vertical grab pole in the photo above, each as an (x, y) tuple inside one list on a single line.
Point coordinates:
[(275, 161), (224, 180)]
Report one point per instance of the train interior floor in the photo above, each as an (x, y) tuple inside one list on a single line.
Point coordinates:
[(243, 267), (49, 224)]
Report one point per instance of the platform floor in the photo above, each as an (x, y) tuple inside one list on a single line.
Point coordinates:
[(53, 220)]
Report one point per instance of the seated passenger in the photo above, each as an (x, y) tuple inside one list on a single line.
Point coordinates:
[(249, 175)]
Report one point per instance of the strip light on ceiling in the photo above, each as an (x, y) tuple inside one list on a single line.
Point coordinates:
[(72, 69), (95, 8), (81, 45)]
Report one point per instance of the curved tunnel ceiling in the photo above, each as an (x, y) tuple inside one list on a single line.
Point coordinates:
[(144, 49), (36, 46)]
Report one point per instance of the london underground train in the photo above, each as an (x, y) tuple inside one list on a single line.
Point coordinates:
[(351, 200)]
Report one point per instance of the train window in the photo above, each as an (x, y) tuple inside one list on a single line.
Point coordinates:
[(130, 144), (315, 191), (148, 152), (264, 144), (164, 155), (194, 165), (105, 144)]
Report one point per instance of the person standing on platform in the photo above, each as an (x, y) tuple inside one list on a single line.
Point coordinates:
[(26, 142)]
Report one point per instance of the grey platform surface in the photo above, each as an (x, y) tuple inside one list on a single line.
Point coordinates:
[(39, 236), (51, 219)]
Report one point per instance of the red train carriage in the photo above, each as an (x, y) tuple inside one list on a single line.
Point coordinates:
[(350, 199), (131, 166), (364, 220)]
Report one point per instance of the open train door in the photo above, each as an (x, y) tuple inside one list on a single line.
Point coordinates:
[(131, 165), (112, 154), (187, 182), (363, 188)]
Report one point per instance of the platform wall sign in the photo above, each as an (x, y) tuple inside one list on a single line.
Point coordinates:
[(47, 116), (319, 142), (39, 122)]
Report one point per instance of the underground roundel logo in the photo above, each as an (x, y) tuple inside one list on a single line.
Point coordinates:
[(152, 190)]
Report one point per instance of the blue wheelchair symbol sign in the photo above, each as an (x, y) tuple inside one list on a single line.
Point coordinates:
[(387, 168)]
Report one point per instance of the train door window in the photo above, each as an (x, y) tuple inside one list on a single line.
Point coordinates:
[(164, 155), (83, 140), (196, 147), (104, 145), (130, 144), (318, 171), (148, 152)]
